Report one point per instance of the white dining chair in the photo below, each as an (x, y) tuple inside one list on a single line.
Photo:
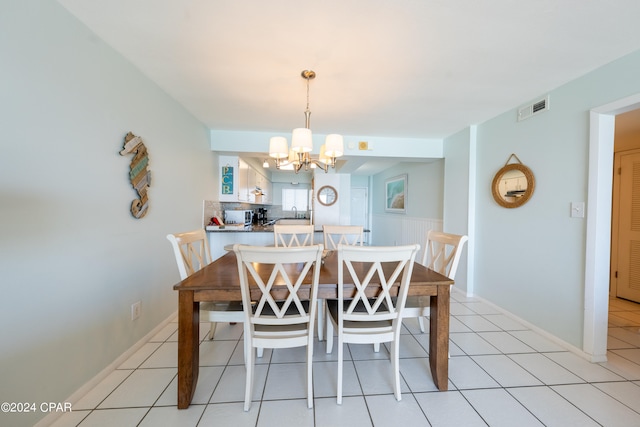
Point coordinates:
[(334, 235), (284, 314), (191, 250), (442, 253), (287, 235), (370, 320)]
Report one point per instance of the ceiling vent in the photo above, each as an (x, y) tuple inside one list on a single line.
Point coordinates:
[(534, 108)]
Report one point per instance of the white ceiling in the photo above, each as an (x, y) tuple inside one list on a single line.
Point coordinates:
[(404, 68)]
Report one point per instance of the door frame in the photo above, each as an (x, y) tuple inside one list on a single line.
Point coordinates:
[(598, 245)]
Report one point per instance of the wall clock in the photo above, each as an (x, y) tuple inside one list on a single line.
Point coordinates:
[(327, 195)]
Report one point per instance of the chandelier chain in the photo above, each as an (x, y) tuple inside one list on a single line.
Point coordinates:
[(307, 93)]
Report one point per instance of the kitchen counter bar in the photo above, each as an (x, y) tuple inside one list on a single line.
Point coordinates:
[(249, 229), (257, 235), (254, 229)]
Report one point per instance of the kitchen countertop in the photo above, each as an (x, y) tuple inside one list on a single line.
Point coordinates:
[(255, 229), (249, 229), (265, 228)]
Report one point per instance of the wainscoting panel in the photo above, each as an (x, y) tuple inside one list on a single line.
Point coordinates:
[(394, 230)]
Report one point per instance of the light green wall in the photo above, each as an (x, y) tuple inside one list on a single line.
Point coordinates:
[(531, 260), (425, 188), (72, 257), (359, 181), (458, 193)]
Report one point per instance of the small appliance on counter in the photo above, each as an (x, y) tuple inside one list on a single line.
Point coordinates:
[(260, 216), (216, 224), (240, 216)]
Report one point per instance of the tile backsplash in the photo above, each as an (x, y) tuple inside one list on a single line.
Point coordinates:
[(214, 208)]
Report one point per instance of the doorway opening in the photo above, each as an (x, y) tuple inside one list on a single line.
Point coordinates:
[(625, 221), (598, 247)]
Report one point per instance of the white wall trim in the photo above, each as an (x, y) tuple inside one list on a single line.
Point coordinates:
[(471, 225), (395, 230), (598, 244), (534, 328), (89, 385)]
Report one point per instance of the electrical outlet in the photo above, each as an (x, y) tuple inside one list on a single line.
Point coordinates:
[(136, 309)]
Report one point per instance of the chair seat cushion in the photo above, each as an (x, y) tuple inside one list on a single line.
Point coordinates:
[(292, 311), (332, 307)]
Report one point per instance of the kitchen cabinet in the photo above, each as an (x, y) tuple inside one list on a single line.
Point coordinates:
[(257, 182), (243, 181), (268, 192), (252, 183), (261, 182), (238, 182)]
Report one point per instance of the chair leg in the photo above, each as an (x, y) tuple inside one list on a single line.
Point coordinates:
[(247, 331), (248, 390), (376, 347), (329, 335), (395, 366), (212, 330), (421, 322), (340, 367), (245, 342), (320, 318), (310, 373)]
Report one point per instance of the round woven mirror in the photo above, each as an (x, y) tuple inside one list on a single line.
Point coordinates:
[(513, 185)]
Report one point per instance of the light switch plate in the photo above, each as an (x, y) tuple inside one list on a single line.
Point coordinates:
[(577, 209)]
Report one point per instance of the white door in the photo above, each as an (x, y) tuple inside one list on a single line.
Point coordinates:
[(360, 209), (628, 259)]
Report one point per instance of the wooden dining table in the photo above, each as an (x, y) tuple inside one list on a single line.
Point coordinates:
[(219, 281)]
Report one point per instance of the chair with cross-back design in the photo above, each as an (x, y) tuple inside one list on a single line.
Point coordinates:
[(284, 312), (335, 235), (373, 315), (442, 253), (288, 235), (191, 250)]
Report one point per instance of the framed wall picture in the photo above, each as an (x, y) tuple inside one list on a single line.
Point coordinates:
[(396, 194)]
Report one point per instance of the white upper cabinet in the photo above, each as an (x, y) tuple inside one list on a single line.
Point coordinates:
[(239, 181), (252, 183), (243, 181)]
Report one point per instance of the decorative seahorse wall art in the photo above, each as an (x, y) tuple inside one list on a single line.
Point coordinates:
[(139, 173)]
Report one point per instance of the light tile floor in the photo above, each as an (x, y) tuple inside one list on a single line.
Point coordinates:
[(500, 374)]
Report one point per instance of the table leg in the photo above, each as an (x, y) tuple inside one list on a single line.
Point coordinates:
[(188, 349), (439, 338)]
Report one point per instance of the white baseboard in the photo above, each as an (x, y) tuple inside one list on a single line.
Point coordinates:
[(547, 335), (89, 385)]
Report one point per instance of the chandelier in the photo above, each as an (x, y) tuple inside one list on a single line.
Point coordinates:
[(301, 144)]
